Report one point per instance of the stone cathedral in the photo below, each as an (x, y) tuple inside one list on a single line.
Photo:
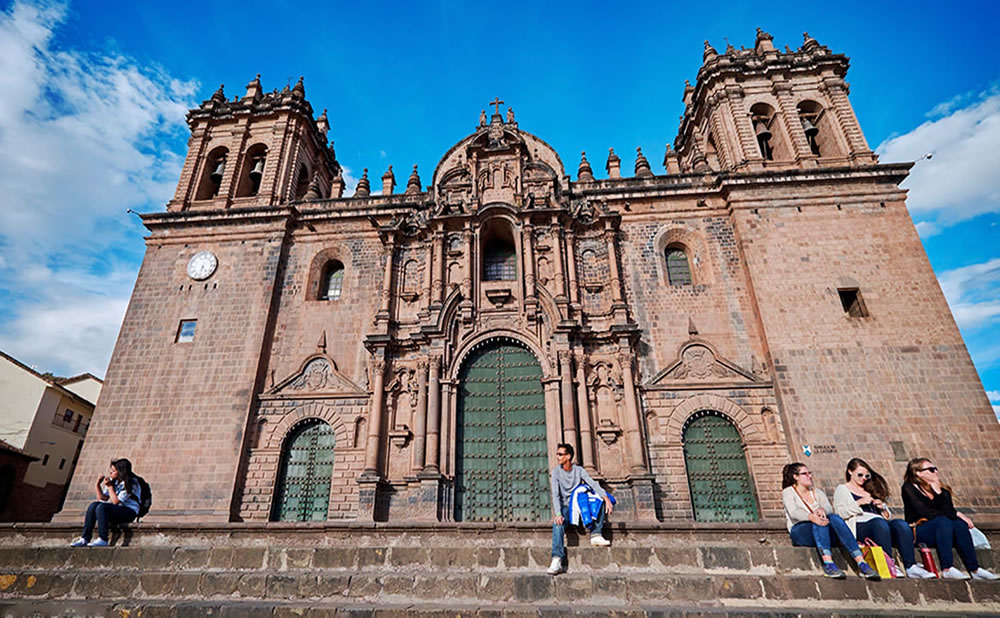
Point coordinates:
[(291, 354)]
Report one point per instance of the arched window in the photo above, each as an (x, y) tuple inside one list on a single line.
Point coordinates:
[(678, 267), (212, 173), (302, 182), (332, 283), (499, 261), (253, 171), (762, 117), (303, 492), (718, 476), (819, 130)]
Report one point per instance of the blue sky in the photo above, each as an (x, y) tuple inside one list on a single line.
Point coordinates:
[(91, 122)]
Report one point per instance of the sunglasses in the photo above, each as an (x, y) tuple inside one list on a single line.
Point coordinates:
[(803, 474), (558, 454), (929, 469), (862, 475)]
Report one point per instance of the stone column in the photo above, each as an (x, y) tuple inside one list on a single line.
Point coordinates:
[(433, 414), (470, 266), (420, 426), (616, 280), (632, 422), (836, 90), (528, 247), (437, 279), (552, 418), (566, 389), (574, 292), (428, 271), (375, 418), (560, 261), (390, 250), (583, 409), (790, 119)]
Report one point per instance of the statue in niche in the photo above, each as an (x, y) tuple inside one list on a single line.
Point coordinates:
[(402, 398), (606, 393)]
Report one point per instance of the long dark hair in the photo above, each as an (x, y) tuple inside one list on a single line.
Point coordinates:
[(911, 475), (124, 468), (876, 485), (788, 473)]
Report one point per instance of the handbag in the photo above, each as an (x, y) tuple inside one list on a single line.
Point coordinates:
[(876, 558), (927, 559)]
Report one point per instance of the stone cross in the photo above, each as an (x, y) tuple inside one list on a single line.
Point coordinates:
[(497, 102)]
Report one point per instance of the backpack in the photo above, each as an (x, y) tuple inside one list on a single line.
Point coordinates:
[(146, 495)]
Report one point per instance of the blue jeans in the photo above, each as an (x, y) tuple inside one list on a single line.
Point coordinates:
[(808, 534), (558, 532), (105, 514), (888, 534), (942, 533)]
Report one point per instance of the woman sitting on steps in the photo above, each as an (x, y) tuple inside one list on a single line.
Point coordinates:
[(810, 519), (118, 498)]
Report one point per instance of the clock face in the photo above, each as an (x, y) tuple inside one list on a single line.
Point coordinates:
[(202, 265)]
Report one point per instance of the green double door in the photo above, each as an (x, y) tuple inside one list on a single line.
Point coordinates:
[(721, 487), (306, 470), (501, 451)]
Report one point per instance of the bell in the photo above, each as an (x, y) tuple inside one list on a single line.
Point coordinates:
[(220, 168), (762, 131), (258, 169), (809, 127)]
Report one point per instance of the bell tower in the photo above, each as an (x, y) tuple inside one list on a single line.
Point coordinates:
[(761, 108), (261, 149)]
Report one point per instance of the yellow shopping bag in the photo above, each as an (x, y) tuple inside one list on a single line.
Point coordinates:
[(876, 558)]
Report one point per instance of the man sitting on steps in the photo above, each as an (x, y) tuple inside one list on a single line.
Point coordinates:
[(565, 478)]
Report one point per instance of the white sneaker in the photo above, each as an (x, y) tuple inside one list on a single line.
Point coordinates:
[(556, 567), (80, 542), (98, 543), (953, 573), (919, 572), (897, 572), (982, 573), (597, 540)]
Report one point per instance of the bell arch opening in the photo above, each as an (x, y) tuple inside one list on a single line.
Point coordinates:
[(501, 463)]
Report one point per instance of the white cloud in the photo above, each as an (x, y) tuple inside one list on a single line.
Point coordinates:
[(993, 395), (960, 181), (83, 137), (996, 410), (926, 229), (973, 292)]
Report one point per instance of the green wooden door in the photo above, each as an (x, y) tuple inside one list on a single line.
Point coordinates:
[(306, 468), (721, 488), (501, 467)]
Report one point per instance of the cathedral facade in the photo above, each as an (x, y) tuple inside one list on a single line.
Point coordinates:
[(290, 354)]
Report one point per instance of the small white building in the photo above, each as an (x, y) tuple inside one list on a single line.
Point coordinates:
[(46, 417)]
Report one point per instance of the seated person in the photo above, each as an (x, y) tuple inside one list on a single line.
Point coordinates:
[(928, 507), (566, 477), (118, 497), (861, 504), (810, 518)]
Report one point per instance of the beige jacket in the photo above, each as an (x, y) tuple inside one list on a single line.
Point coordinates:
[(847, 507), (796, 510)]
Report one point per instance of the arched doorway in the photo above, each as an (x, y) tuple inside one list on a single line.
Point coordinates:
[(718, 476), (306, 470), (501, 467)]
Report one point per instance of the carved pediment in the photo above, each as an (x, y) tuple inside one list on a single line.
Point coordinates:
[(698, 363), (317, 376)]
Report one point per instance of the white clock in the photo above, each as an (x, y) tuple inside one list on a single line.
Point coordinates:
[(202, 265)]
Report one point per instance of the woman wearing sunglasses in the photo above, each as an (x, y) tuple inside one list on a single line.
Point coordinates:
[(861, 503), (811, 521), (928, 507)]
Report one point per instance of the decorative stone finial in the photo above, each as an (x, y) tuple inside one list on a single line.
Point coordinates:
[(299, 89), (764, 43), (219, 96), (584, 173), (315, 190), (614, 164), (253, 90), (641, 164), (808, 42), (709, 52), (364, 188), (413, 183), (699, 162), (321, 344), (388, 182), (692, 329), (323, 123)]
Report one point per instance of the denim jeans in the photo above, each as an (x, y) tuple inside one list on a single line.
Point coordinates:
[(105, 514), (942, 533), (558, 532), (888, 534), (808, 534)]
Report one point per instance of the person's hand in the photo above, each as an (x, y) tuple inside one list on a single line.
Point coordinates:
[(879, 504), (818, 517), (558, 520), (608, 505), (967, 520), (865, 500)]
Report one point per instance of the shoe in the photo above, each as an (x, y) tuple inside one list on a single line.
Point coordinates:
[(919, 572), (868, 573), (98, 543), (953, 573), (80, 542), (830, 570), (982, 573), (556, 567), (897, 572), (599, 541)]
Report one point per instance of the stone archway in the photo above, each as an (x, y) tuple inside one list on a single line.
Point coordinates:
[(501, 463)]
